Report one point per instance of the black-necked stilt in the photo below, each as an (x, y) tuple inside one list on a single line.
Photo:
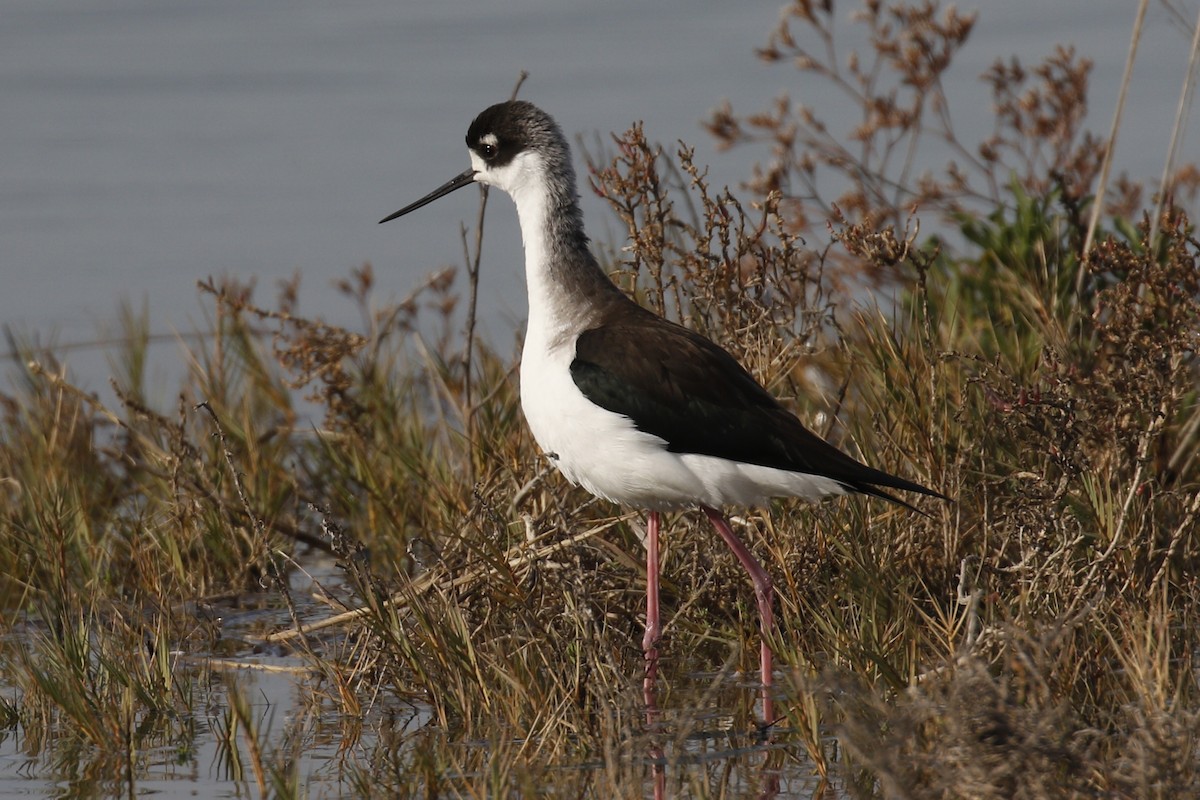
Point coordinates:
[(632, 407)]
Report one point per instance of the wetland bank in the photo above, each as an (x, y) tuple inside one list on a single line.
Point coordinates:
[(338, 566)]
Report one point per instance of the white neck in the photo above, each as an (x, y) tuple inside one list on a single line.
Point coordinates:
[(564, 282), (549, 313)]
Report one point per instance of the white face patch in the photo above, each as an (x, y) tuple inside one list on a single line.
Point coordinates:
[(524, 173), (480, 167)]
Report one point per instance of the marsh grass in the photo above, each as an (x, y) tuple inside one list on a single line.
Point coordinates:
[(1033, 638)]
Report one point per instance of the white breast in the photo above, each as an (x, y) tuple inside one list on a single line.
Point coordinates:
[(606, 454)]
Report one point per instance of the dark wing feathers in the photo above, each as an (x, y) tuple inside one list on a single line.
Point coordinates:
[(681, 387)]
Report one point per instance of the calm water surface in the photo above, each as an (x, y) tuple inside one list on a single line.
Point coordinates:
[(147, 145)]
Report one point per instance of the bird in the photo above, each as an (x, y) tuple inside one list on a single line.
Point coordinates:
[(635, 408)]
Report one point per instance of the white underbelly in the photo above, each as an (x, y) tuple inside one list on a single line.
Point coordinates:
[(604, 453)]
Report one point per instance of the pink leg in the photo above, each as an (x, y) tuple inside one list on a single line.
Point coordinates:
[(764, 591), (650, 648), (653, 628)]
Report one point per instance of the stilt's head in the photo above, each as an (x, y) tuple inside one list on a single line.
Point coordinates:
[(514, 146)]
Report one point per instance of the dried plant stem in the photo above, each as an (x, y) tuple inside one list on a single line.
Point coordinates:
[(1098, 203), (255, 521), (515, 558), (1155, 427), (1181, 116), (1185, 527), (472, 262), (472, 305)]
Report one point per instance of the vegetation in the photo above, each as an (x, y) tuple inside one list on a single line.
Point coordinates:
[(1036, 637)]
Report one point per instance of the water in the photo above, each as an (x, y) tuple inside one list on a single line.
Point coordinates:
[(190, 759), (148, 145), (296, 730)]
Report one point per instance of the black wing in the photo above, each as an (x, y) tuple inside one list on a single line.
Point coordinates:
[(679, 386)]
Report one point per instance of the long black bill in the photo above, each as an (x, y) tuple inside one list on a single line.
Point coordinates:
[(457, 182)]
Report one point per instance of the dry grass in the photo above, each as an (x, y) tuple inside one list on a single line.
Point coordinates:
[(1034, 638)]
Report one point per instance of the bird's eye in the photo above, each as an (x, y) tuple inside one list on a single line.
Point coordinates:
[(488, 150)]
